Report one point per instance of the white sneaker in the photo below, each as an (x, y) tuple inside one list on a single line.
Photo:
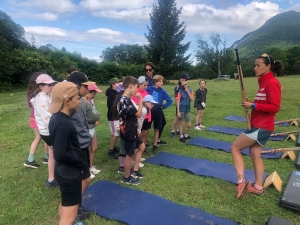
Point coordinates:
[(140, 165), (197, 128), (92, 176), (94, 171), (142, 159), (201, 126)]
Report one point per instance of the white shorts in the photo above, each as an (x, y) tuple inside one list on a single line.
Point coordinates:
[(92, 132), (114, 127)]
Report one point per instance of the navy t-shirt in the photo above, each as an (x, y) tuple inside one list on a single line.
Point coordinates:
[(128, 120)]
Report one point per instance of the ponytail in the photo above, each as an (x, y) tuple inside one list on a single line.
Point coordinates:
[(116, 104)]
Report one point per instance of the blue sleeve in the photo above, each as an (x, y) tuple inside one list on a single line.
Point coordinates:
[(149, 90), (168, 99)]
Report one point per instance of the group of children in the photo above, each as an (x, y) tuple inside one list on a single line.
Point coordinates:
[(64, 117)]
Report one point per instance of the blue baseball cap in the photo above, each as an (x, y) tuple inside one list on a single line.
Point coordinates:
[(149, 98)]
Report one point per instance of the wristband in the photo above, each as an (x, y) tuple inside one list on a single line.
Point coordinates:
[(253, 105)]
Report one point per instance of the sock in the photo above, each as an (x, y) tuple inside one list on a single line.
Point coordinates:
[(158, 141), (177, 130), (50, 181), (46, 155), (30, 157), (122, 161), (181, 136), (172, 131), (186, 135), (199, 124), (240, 181), (111, 150), (258, 187)]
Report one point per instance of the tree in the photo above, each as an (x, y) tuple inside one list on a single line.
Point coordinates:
[(165, 37), (215, 55), (11, 31), (125, 54)]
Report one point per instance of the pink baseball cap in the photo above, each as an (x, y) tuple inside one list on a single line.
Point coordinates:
[(45, 79), (94, 87)]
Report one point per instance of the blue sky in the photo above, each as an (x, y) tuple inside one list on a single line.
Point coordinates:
[(90, 26)]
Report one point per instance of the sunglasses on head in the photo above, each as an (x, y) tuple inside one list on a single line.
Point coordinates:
[(265, 55), (150, 70)]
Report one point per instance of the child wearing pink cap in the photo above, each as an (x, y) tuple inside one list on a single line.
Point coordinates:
[(92, 116), (41, 103)]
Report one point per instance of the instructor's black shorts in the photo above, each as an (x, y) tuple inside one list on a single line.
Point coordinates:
[(47, 140)]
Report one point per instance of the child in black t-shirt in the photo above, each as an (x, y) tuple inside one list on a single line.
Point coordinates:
[(128, 114), (70, 167), (199, 104)]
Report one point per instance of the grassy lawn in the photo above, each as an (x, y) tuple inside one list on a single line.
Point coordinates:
[(26, 200)]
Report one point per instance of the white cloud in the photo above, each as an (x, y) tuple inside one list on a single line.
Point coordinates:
[(238, 19), (102, 35), (54, 6), (41, 16), (95, 5)]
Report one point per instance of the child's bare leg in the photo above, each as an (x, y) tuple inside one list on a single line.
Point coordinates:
[(197, 117), (138, 156), (180, 127), (51, 163), (188, 126), (175, 123), (34, 145), (144, 135), (127, 166), (93, 148), (200, 115), (68, 214), (113, 140), (84, 184), (156, 134)]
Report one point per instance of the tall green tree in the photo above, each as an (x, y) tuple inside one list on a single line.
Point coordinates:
[(214, 54), (125, 54), (166, 48)]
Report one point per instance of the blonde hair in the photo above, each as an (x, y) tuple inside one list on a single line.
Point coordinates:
[(158, 78)]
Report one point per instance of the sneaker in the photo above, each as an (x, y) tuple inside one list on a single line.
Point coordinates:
[(117, 151), (254, 190), (182, 139), (242, 188), (147, 145), (188, 137), (111, 154), (201, 126), (154, 149), (45, 161), (197, 128), (140, 164), (136, 174), (172, 135), (52, 183), (121, 170), (162, 142), (82, 215), (142, 159), (94, 170), (92, 176), (32, 164), (79, 223), (177, 132), (131, 180)]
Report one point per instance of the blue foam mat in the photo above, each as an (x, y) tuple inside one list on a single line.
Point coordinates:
[(225, 146), (237, 132), (201, 167), (135, 207), (243, 119)]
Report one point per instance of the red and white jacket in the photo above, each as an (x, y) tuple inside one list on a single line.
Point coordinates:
[(267, 102)]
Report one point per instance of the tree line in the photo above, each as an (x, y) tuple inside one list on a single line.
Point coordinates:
[(165, 48)]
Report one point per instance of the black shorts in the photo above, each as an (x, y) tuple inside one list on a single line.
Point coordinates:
[(131, 145), (47, 139), (158, 118), (146, 125), (70, 190), (85, 154)]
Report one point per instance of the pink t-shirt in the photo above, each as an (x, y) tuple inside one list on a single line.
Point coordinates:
[(136, 101)]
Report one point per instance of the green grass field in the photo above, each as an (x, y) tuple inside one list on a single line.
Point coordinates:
[(26, 200)]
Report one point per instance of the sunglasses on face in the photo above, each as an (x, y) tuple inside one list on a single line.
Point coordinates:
[(51, 85), (149, 70), (266, 56)]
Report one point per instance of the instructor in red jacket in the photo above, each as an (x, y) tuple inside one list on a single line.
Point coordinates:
[(264, 108)]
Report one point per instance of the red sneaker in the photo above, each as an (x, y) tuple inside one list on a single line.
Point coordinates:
[(242, 188), (254, 190)]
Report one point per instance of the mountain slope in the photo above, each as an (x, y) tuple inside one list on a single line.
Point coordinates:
[(282, 30)]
